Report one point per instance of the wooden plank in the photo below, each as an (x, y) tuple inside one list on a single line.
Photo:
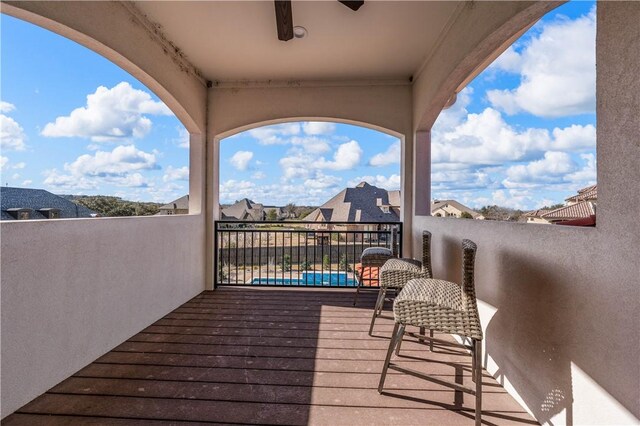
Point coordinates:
[(268, 356)]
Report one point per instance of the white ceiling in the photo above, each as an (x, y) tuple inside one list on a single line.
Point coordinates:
[(231, 41)]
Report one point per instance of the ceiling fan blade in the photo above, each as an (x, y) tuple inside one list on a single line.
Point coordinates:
[(353, 5), (284, 19)]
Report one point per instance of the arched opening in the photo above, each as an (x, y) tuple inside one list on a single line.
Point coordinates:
[(313, 193), (81, 127), (519, 143)]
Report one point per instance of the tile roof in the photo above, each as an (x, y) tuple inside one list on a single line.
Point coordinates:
[(536, 213), (39, 199), (574, 211), (585, 194)]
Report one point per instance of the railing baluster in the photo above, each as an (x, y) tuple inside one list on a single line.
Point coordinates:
[(230, 237)]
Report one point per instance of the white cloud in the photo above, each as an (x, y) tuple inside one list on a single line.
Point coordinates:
[(110, 115), (314, 192), (119, 167), (390, 156), (258, 175), (346, 157), (121, 160), (509, 61), (172, 174), (27, 182), (318, 128), (6, 107), (390, 183), (587, 174), (3, 162), (486, 138), (275, 134), (311, 144), (183, 137), (240, 160), (322, 181), (550, 169), (557, 67), (297, 165), (12, 137)]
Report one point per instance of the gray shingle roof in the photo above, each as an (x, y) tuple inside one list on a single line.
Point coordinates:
[(360, 204), (181, 203), (38, 199)]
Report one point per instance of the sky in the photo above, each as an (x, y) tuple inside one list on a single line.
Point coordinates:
[(521, 135)]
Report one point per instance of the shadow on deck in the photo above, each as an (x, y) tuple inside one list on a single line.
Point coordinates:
[(268, 356)]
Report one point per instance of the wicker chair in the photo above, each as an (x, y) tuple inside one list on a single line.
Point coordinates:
[(397, 272), (445, 307), (374, 257)]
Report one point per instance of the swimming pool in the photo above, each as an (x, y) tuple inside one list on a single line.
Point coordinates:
[(311, 279)]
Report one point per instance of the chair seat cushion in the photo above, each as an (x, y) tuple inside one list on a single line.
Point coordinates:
[(403, 264), (375, 256), (436, 305), (438, 292)]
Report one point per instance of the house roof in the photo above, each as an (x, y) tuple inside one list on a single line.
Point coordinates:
[(437, 204), (585, 194), (574, 211), (39, 199), (360, 204), (244, 209), (181, 203), (536, 213)]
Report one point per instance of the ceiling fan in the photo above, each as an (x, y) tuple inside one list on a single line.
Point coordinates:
[(284, 16)]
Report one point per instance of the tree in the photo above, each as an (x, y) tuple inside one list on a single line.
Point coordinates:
[(466, 215), (306, 266), (326, 261), (272, 214), (290, 210), (286, 263), (343, 265)]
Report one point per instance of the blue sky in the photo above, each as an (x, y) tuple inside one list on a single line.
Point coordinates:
[(522, 134)]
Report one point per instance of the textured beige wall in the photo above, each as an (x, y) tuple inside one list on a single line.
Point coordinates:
[(561, 305), (74, 289)]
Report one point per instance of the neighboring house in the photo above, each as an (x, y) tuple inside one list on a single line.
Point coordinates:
[(578, 207), (364, 203), (179, 206), (26, 203), (452, 208), (246, 209)]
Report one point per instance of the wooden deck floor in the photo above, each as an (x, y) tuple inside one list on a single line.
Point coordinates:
[(267, 356)]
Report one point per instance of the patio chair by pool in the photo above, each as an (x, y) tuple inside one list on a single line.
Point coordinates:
[(371, 259), (445, 307), (395, 273)]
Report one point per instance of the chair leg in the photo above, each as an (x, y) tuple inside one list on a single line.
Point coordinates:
[(400, 337), (377, 309), (355, 298), (477, 372), (398, 330), (431, 340)]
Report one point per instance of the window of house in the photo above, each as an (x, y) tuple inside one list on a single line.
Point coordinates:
[(519, 143)]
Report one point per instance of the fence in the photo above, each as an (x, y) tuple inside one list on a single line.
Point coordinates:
[(295, 253)]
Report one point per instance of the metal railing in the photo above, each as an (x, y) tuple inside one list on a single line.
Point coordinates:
[(296, 253)]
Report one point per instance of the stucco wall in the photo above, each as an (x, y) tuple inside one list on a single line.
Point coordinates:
[(561, 305), (74, 289)]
